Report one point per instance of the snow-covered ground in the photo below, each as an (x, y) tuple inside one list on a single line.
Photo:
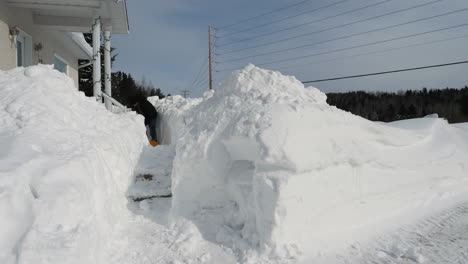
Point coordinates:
[(266, 167), (262, 171)]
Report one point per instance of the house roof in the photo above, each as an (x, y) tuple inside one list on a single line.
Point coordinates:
[(77, 15)]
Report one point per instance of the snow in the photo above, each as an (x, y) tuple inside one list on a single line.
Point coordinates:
[(261, 171), (66, 164), (267, 166), (153, 173), (80, 40)]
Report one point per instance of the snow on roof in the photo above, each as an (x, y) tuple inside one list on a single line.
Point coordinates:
[(79, 39)]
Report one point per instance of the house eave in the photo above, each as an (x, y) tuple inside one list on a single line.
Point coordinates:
[(77, 15)]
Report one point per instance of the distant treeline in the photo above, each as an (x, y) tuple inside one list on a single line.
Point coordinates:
[(124, 87), (451, 104)]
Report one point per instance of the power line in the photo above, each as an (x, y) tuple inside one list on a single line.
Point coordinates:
[(358, 46), (203, 84), (197, 85), (199, 72), (375, 52), (347, 36), (264, 14), (286, 18), (347, 24), (335, 27), (203, 78), (387, 72), (200, 81)]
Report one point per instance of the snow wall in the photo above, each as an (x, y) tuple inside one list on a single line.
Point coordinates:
[(265, 163), (65, 166)]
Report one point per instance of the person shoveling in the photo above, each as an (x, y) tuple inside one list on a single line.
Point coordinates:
[(143, 107)]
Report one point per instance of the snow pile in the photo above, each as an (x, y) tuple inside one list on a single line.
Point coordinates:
[(267, 164), (264, 172), (65, 166), (171, 119)]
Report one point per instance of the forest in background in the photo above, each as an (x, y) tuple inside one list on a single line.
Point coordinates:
[(449, 103)]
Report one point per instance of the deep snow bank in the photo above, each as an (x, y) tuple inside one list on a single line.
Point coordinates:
[(267, 163), (172, 118), (65, 165)]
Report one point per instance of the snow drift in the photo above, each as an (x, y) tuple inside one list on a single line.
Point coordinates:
[(65, 165), (267, 164), (263, 168)]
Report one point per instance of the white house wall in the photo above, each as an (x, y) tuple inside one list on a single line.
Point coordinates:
[(23, 19), (7, 48)]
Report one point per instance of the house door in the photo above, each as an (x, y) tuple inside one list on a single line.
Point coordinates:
[(23, 50), (19, 52)]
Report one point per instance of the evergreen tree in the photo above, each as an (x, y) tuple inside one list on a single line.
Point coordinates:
[(85, 74), (402, 112), (390, 113), (412, 113), (464, 103)]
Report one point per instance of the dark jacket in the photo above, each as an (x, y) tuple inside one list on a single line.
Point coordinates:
[(146, 109)]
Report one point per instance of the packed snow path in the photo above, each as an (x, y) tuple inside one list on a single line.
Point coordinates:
[(152, 237), (441, 238), (153, 174)]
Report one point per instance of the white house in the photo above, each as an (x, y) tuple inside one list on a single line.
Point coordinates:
[(50, 32)]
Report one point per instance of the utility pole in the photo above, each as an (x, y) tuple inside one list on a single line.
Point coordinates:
[(210, 58), (185, 93)]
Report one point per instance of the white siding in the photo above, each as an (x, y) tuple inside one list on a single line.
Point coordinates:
[(51, 43), (7, 48)]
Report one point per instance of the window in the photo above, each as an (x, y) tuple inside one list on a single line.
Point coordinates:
[(60, 64)]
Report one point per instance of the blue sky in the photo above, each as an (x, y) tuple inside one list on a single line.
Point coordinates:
[(167, 43)]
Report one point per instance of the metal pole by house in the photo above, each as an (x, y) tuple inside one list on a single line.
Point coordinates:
[(107, 67), (97, 59), (210, 58)]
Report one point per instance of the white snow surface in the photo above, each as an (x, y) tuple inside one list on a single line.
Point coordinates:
[(261, 171), (267, 168), (65, 165)]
